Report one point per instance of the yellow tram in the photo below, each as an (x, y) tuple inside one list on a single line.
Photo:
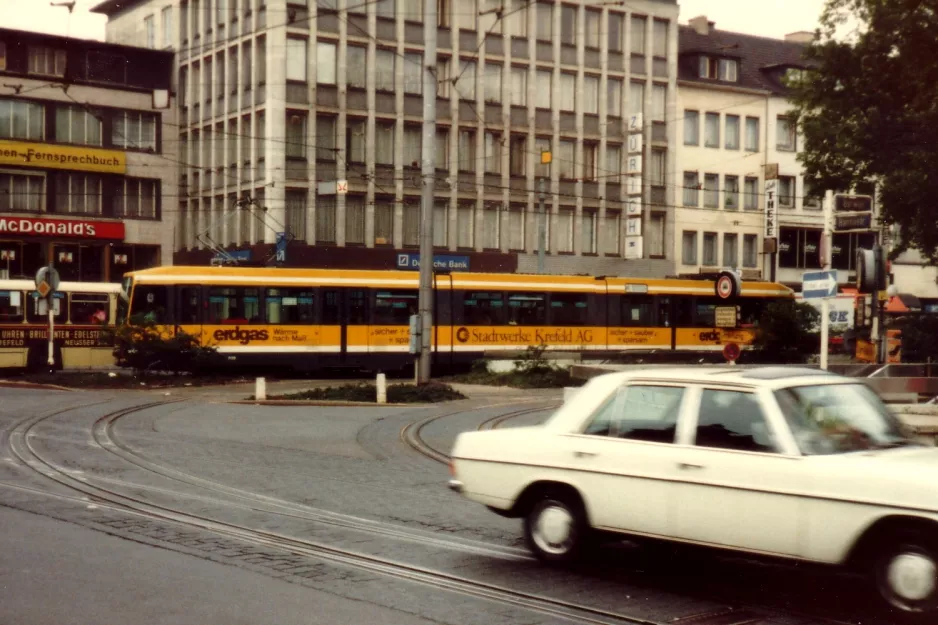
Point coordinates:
[(310, 318)]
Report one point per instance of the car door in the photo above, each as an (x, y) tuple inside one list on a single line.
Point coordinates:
[(624, 456), (735, 484)]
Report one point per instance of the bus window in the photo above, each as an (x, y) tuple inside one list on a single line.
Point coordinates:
[(150, 303), (189, 304), (85, 308), (394, 308), (11, 306), (32, 310), (568, 309), (291, 306), (637, 311), (234, 305), (483, 308), (527, 309)]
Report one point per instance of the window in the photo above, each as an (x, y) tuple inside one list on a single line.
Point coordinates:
[(615, 31), (355, 220), (516, 155), (732, 420), (394, 308), (233, 305), (491, 227), (519, 86), (46, 61), (325, 62), (467, 150), (728, 69), (466, 84), (567, 91), (384, 70), (247, 67), (660, 39), (799, 248), (691, 187), (151, 303), (610, 232), (810, 199), (545, 21), (691, 127), (22, 192), (752, 134), (149, 31), (543, 83), (636, 97), (167, 26), (413, 73), (516, 227), (654, 236), (410, 10), (413, 141), (568, 24), (442, 148), (643, 413), (569, 309), (260, 134), (295, 213), (750, 252), (483, 309), (564, 159), (326, 138), (590, 159), (356, 67), (325, 219), (786, 191), (75, 124), (637, 34), (88, 308), (516, 17), (22, 120), (751, 192), (441, 224), (492, 86), (712, 130), (465, 225), (136, 198), (384, 142), (527, 309), (730, 250), (591, 28), (411, 224), (710, 249), (658, 167), (233, 69), (689, 248), (493, 152), (260, 60), (291, 306), (711, 190), (588, 229), (384, 221), (296, 59), (134, 130), (78, 194), (443, 78), (659, 102), (613, 162), (295, 135), (565, 229), (541, 144), (731, 192), (385, 9), (732, 132), (785, 135), (614, 97)]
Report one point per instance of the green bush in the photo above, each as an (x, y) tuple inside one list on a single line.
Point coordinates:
[(144, 347), (433, 392), (919, 335), (787, 333)]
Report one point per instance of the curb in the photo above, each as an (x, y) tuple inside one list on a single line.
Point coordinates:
[(35, 386), (323, 402)]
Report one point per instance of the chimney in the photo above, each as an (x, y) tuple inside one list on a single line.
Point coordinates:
[(701, 25), (802, 36)]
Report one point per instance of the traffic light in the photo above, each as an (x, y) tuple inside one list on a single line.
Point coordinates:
[(871, 270)]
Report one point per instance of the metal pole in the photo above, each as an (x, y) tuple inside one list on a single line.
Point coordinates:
[(541, 227), (425, 300), (826, 243)]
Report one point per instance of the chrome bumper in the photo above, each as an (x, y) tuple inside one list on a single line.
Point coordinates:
[(455, 485)]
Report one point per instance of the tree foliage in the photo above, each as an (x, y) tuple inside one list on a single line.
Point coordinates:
[(919, 338), (144, 347), (787, 332), (869, 110)]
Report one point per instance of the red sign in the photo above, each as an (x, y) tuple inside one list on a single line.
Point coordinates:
[(68, 228), (731, 352)]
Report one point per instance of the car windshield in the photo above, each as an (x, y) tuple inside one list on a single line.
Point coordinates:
[(839, 418)]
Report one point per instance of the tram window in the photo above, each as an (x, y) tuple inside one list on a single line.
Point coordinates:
[(357, 307), (569, 309), (637, 310), (189, 303), (32, 310), (331, 307), (150, 303), (749, 311), (11, 306), (394, 308), (233, 305), (705, 311), (483, 308), (291, 306), (89, 308), (527, 309), (664, 312), (683, 312)]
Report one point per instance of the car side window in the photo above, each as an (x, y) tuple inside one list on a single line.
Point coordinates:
[(639, 412), (733, 420)]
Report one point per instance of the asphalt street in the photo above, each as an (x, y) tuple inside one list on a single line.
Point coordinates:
[(136, 506)]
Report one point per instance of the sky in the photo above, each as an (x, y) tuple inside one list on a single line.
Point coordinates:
[(769, 18)]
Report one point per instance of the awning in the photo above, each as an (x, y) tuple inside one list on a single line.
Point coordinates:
[(903, 303)]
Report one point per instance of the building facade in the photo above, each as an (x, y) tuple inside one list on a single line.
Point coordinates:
[(85, 171), (306, 120), (738, 145)]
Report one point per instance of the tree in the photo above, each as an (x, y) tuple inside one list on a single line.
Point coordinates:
[(868, 111), (144, 346), (787, 332)]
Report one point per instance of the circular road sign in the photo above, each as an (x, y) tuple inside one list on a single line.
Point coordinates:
[(731, 352), (50, 275), (727, 285)]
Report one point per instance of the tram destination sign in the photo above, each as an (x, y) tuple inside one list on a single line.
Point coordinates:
[(847, 222), (853, 203)]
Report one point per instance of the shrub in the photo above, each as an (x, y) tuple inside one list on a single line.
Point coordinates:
[(433, 392), (144, 346), (787, 333)]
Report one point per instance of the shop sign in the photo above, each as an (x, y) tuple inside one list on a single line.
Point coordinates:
[(78, 158), (59, 228)]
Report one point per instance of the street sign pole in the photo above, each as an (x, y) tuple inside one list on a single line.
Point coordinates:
[(826, 262), (47, 283)]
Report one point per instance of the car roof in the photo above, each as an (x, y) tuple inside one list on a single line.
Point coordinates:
[(762, 377)]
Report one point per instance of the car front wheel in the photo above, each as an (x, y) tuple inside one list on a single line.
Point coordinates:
[(556, 529), (906, 575)]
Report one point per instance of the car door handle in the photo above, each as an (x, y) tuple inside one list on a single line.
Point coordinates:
[(585, 454), (684, 466)]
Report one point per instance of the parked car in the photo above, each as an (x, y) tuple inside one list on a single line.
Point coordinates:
[(786, 462)]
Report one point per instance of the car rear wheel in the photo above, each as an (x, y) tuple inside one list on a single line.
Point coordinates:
[(906, 575), (556, 529)]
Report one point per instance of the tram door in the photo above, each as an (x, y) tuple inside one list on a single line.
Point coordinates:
[(189, 311), (345, 321)]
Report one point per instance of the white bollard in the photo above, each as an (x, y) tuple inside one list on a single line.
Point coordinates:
[(260, 389), (382, 385)]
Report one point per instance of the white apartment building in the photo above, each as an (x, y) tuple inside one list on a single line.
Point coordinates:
[(288, 101)]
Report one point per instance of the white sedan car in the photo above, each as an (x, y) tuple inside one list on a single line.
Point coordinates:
[(792, 463)]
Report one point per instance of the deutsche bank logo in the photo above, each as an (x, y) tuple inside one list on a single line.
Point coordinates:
[(403, 261)]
